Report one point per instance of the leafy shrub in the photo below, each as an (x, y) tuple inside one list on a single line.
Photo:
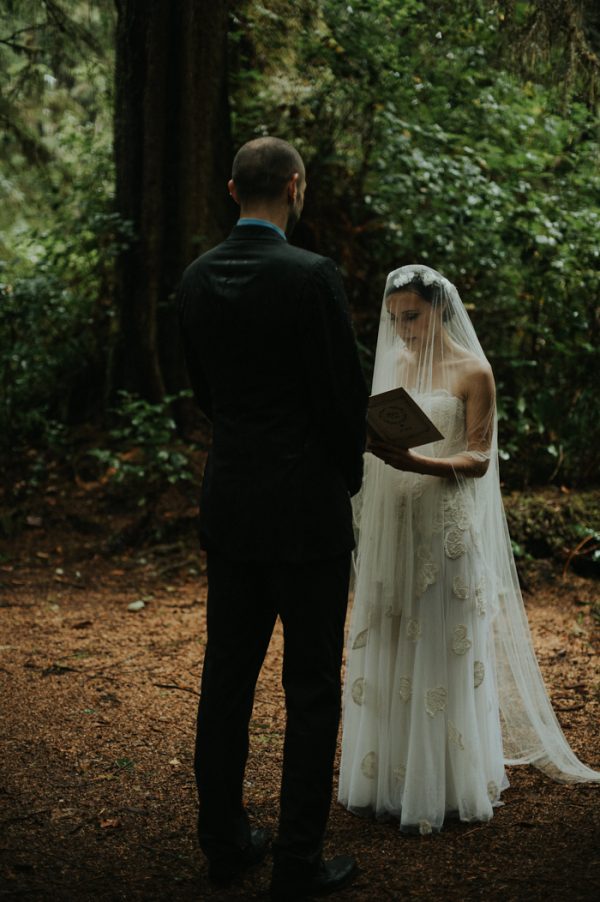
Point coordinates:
[(557, 525), (424, 146), (56, 310), (145, 455)]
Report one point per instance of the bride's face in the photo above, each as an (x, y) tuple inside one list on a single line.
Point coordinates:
[(411, 316)]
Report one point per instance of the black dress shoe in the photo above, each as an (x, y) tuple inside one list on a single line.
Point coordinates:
[(224, 868), (331, 876)]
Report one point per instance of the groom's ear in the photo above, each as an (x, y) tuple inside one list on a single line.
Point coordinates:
[(292, 187), (233, 191)]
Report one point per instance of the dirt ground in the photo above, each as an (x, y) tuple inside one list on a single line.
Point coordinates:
[(98, 703)]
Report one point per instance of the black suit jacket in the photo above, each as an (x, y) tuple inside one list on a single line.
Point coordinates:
[(273, 363)]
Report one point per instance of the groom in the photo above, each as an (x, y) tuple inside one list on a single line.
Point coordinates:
[(273, 363)]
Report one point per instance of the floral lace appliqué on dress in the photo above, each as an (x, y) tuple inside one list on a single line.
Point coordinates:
[(413, 630), (427, 570), (460, 588), (405, 688), (369, 765), (460, 642), (478, 673), (481, 598), (427, 741), (435, 700), (358, 690), (454, 543), (361, 639), (455, 737)]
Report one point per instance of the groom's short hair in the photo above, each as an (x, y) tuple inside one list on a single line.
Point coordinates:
[(262, 168)]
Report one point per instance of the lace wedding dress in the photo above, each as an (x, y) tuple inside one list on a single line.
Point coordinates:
[(442, 686)]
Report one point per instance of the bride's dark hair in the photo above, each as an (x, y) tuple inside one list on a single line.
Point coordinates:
[(415, 287), (432, 293)]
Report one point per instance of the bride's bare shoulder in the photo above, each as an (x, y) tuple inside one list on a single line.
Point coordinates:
[(479, 367), (475, 375), (472, 365)]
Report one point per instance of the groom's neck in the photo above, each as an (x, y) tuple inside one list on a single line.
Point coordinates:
[(276, 214)]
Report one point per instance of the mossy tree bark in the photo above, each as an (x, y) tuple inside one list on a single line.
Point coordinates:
[(173, 154)]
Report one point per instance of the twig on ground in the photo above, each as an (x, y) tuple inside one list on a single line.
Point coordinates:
[(66, 582), (23, 817), (162, 851), (15, 604), (176, 565), (135, 654), (175, 686), (166, 549)]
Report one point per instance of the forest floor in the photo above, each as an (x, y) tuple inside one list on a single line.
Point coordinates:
[(98, 705)]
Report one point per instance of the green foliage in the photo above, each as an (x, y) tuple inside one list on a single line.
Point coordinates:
[(425, 141), (56, 311), (59, 233), (56, 78), (422, 146), (553, 524), (145, 455)]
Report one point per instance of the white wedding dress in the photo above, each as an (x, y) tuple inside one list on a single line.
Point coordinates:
[(421, 726), (442, 686)]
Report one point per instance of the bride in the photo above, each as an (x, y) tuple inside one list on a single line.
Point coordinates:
[(443, 688)]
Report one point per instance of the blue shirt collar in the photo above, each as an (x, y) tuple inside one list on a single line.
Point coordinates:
[(247, 221)]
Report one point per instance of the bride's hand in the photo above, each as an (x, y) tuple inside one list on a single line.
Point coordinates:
[(400, 458)]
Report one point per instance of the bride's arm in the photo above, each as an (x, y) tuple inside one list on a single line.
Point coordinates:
[(474, 461)]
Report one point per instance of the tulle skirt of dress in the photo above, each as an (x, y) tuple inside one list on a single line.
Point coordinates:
[(421, 727)]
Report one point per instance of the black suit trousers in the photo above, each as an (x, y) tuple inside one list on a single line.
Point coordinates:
[(244, 600)]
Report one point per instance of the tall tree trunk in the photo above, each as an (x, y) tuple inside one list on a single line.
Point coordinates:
[(173, 153)]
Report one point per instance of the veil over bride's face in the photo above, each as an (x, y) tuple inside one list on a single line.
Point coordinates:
[(426, 341), (412, 317)]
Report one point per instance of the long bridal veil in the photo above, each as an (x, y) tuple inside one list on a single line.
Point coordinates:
[(464, 527)]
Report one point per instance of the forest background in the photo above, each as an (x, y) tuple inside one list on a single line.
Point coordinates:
[(462, 134)]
